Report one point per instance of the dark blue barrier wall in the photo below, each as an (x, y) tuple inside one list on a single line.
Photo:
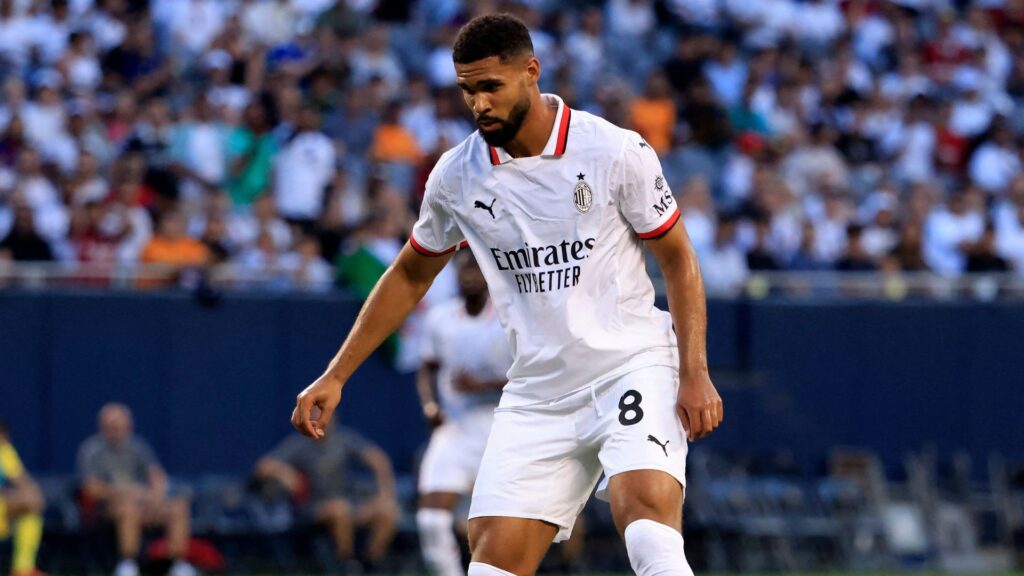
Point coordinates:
[(212, 387)]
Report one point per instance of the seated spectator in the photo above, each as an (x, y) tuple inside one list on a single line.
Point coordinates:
[(21, 509), (724, 266), (654, 114), (856, 258), (122, 482), (317, 476), (23, 243), (392, 142), (983, 257), (760, 257), (173, 247)]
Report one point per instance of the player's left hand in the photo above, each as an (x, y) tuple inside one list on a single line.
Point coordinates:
[(699, 406)]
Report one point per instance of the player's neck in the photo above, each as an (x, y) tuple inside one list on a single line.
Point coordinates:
[(475, 304), (535, 132)]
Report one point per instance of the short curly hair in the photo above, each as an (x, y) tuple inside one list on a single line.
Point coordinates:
[(501, 35)]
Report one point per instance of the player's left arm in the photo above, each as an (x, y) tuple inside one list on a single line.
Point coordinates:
[(698, 405)]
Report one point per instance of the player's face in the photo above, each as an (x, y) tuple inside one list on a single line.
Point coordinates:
[(498, 94), (471, 280)]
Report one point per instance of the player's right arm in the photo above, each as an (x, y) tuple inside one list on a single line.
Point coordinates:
[(394, 297)]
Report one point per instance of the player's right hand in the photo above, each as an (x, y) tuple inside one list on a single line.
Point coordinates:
[(314, 406)]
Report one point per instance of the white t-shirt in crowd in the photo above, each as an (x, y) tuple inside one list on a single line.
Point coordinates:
[(558, 238), (302, 171)]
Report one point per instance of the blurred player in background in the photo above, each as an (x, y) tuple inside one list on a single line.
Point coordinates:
[(465, 357), (124, 482), (21, 508), (317, 476), (557, 205)]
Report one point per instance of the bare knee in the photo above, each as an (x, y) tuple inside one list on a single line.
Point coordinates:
[(516, 545), (646, 494), (336, 510)]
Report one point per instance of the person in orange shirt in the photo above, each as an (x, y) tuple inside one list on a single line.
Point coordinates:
[(654, 115), (392, 142), (172, 247)]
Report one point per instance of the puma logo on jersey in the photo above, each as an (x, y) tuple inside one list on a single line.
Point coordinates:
[(482, 206), (664, 447)]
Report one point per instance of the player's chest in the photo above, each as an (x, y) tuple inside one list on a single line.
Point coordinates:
[(513, 205)]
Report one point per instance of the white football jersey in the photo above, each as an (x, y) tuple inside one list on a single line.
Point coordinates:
[(558, 238), (460, 342)]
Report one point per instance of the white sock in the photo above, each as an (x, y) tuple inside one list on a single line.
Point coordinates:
[(481, 569), (437, 541), (127, 567), (655, 549)]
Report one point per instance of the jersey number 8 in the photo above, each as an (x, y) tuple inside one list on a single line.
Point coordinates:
[(630, 411)]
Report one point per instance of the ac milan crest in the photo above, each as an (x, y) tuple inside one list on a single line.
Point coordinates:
[(582, 195)]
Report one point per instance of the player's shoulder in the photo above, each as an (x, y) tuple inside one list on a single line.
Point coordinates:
[(596, 135)]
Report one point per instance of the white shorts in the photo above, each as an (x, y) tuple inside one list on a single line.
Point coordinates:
[(543, 460), (453, 456)]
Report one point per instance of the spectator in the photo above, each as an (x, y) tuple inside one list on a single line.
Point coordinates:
[(392, 142), (856, 258), (317, 476), (23, 243), (983, 256), (760, 258), (21, 509), (951, 231), (173, 248), (123, 482), (997, 162), (724, 266), (303, 170), (251, 151), (654, 115)]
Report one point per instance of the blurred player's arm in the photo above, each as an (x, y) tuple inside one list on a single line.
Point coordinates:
[(465, 382), (699, 406), (426, 387), (396, 294)]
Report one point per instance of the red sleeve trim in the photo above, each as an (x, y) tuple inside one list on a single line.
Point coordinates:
[(660, 229), (426, 252)]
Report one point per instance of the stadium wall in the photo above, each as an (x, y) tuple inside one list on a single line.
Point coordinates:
[(212, 385)]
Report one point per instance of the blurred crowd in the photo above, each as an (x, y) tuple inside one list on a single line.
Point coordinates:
[(291, 139)]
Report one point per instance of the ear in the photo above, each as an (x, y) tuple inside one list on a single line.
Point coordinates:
[(532, 71)]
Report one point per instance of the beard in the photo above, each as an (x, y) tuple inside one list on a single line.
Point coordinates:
[(508, 128)]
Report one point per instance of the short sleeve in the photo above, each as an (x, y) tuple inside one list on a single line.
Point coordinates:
[(436, 232), (147, 458), (289, 450), (10, 464), (646, 200)]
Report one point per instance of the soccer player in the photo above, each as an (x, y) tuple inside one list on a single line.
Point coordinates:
[(21, 508), (465, 356), (557, 204)]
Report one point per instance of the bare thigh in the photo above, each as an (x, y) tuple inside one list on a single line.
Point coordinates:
[(516, 545)]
